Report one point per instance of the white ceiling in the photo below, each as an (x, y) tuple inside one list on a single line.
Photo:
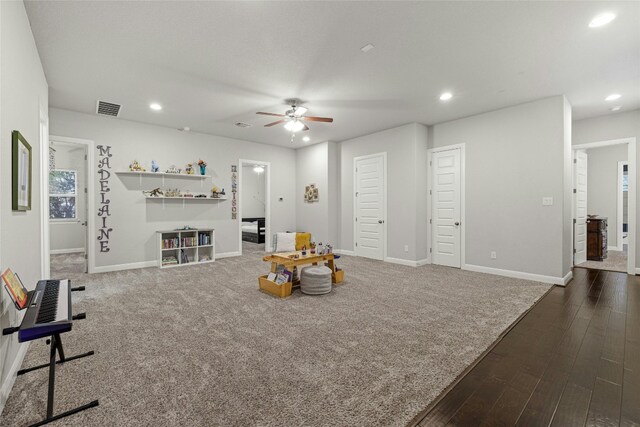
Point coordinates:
[(211, 64)]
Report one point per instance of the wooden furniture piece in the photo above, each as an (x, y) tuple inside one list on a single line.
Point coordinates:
[(288, 260), (254, 233), (597, 238), (178, 248)]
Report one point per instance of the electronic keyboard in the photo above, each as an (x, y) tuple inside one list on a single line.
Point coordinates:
[(48, 310)]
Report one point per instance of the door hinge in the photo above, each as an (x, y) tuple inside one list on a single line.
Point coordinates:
[(429, 192), (357, 193), (574, 191), (85, 190), (85, 157), (574, 251), (575, 160), (429, 250), (356, 219), (356, 243), (574, 220), (430, 222), (85, 256)]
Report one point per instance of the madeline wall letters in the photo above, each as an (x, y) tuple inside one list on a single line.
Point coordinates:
[(104, 212)]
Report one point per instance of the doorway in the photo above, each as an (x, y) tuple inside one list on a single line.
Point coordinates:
[(604, 205), (370, 206), (68, 206), (254, 207), (447, 206)]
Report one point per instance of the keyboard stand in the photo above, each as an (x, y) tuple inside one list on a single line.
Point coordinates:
[(56, 347)]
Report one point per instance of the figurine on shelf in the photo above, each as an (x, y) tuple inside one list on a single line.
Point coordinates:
[(222, 192), (174, 170), (172, 193), (214, 193), (187, 193), (154, 166), (313, 248), (157, 192), (189, 169), (203, 166), (201, 196), (135, 167)]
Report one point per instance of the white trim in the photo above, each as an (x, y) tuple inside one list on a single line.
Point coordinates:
[(267, 202), (13, 373), (637, 271), (45, 262), (65, 251), (228, 254), (90, 200), (344, 252), (567, 278), (632, 195), (408, 263), (463, 222), (620, 207), (516, 274), (130, 266), (613, 248), (384, 201)]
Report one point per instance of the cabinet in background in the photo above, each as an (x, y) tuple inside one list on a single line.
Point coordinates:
[(597, 239)]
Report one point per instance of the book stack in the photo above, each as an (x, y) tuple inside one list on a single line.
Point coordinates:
[(170, 243), (169, 260), (204, 239), (188, 242)]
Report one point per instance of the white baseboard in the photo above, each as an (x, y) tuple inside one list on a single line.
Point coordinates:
[(567, 278), (516, 274), (406, 262), (344, 252), (227, 254), (65, 251), (13, 373), (614, 248), (637, 271), (120, 267)]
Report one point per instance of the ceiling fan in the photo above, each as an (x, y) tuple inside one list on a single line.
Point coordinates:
[(293, 118)]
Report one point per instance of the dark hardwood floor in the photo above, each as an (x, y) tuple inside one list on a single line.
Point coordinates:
[(573, 360)]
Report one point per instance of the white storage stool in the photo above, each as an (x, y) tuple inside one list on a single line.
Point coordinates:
[(315, 280)]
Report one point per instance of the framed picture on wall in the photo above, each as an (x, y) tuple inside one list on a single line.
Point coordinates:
[(21, 172)]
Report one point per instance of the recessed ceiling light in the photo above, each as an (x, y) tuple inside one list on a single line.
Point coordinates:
[(616, 108), (306, 139), (613, 97), (367, 48), (602, 19), (446, 96), (155, 106), (185, 129)]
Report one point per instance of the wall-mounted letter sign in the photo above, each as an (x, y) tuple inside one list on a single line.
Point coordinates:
[(104, 165)]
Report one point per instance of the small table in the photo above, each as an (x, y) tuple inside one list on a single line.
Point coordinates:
[(288, 260)]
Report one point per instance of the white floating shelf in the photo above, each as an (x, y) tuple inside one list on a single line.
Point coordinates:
[(164, 174), (211, 199)]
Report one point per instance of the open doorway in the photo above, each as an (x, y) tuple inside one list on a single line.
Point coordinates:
[(68, 208), (604, 206), (254, 207)]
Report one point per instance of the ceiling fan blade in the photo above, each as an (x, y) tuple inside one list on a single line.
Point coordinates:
[(274, 123), (305, 128), (317, 119), (270, 114)]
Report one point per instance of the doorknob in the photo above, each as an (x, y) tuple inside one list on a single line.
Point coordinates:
[(380, 221), (84, 223), (456, 224)]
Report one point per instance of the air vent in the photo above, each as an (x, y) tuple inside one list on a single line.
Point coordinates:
[(243, 125), (108, 109)]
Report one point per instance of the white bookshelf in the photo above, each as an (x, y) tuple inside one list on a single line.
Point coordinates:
[(176, 243)]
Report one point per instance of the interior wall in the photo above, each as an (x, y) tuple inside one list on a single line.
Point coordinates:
[(312, 167), (405, 146), (135, 219), (609, 127), (602, 185), (514, 157), (253, 193), (70, 235), (23, 98)]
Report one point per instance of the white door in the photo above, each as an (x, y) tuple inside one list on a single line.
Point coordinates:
[(580, 197), (446, 223), (369, 207)]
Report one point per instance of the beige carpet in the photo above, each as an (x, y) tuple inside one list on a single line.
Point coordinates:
[(202, 346), (616, 261)]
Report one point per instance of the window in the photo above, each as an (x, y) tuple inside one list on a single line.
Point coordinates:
[(63, 189)]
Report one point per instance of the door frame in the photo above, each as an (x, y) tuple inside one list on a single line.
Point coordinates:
[(267, 202), (384, 201), (91, 174), (463, 222), (631, 214), (620, 205)]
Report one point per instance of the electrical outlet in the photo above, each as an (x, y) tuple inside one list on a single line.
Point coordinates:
[(494, 255), (406, 248)]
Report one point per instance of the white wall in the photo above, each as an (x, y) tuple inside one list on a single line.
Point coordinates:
[(514, 158), (70, 235), (609, 127), (602, 185), (252, 193), (135, 220), (312, 167), (23, 101), (406, 148)]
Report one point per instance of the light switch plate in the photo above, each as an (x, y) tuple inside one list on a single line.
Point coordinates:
[(547, 201)]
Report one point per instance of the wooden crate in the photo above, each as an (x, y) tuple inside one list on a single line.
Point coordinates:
[(337, 277), (280, 291)]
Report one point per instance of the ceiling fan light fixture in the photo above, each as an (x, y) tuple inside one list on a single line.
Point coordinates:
[(294, 125), (299, 111)]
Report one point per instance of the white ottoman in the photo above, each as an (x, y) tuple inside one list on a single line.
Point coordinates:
[(315, 280)]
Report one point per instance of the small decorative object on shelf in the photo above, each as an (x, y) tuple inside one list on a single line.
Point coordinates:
[(313, 248), (172, 193), (189, 169), (174, 170), (214, 192), (187, 193), (222, 192), (135, 167), (203, 166), (201, 196), (154, 166), (157, 192), (186, 227)]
